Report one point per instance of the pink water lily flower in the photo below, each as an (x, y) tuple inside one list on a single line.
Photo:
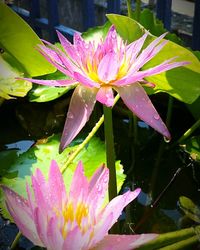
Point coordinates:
[(98, 69), (52, 218)]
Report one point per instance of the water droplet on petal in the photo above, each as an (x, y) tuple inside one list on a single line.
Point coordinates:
[(167, 140), (99, 188), (70, 115), (137, 89), (113, 35), (105, 180), (156, 117)]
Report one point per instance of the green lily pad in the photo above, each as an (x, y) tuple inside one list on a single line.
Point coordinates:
[(182, 83), (17, 171), (191, 210), (192, 146), (19, 40), (9, 86)]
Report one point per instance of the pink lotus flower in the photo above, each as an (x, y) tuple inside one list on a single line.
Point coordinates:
[(98, 69), (52, 218)]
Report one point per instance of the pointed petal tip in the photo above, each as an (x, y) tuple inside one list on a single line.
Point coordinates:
[(54, 166)]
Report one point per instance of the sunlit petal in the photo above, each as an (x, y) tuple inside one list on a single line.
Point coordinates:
[(116, 206), (79, 183), (105, 96), (56, 185), (108, 67), (125, 242), (80, 109), (137, 100), (56, 83), (19, 209)]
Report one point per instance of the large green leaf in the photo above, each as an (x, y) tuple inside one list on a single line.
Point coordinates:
[(182, 83), (96, 33), (18, 39), (16, 170), (155, 26)]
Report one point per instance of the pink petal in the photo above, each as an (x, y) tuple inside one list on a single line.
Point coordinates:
[(85, 80), (112, 211), (76, 240), (56, 186), (124, 242), (105, 96), (79, 185), (19, 209), (138, 76), (101, 229), (137, 100), (40, 193), (110, 43), (108, 67), (162, 67), (58, 83), (31, 199), (51, 53), (57, 65), (133, 49), (117, 204), (98, 187), (68, 47), (54, 236), (41, 222), (80, 109), (101, 171), (149, 52)]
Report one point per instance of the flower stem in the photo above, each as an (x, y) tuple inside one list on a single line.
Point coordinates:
[(189, 131), (174, 240), (130, 12), (110, 152), (110, 159), (82, 145), (15, 241), (1, 100), (169, 111), (138, 10), (87, 139)]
